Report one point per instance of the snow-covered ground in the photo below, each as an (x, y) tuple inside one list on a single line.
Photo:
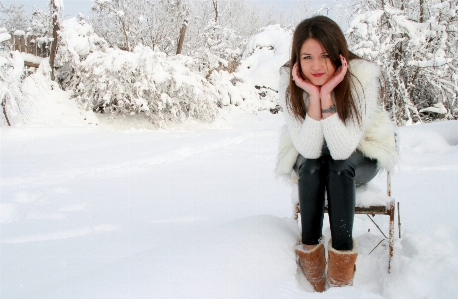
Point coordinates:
[(124, 210), (113, 207)]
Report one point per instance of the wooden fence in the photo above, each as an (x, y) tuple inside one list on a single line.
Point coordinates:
[(38, 46), (31, 44)]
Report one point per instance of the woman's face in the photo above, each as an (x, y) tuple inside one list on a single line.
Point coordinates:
[(315, 62)]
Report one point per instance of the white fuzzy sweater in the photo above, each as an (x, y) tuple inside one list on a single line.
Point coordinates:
[(374, 136)]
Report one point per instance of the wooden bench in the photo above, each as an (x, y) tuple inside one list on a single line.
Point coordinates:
[(371, 200)]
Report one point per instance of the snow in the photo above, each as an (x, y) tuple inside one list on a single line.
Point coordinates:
[(59, 4), (31, 58), (77, 40), (265, 53), (44, 103), (79, 37), (4, 36), (125, 210), (19, 32), (437, 61), (437, 108)]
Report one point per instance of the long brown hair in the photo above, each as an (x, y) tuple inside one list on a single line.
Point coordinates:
[(329, 34)]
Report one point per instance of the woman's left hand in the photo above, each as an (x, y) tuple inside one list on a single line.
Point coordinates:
[(338, 76)]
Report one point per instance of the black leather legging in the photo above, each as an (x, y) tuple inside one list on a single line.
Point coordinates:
[(339, 179)]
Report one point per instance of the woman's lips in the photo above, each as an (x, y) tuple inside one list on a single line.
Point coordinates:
[(318, 75)]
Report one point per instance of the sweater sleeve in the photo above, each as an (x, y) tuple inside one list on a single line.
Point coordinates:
[(306, 134), (342, 138)]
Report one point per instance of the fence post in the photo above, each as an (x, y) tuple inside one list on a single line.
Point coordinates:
[(17, 43), (22, 47), (31, 46), (12, 41)]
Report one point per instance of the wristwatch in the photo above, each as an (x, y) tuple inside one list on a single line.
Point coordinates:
[(331, 109)]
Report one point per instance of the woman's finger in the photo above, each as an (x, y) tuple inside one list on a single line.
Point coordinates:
[(343, 60)]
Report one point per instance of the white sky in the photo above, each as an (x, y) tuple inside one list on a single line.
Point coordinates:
[(73, 7)]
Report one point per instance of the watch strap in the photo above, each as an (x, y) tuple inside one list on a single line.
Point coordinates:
[(331, 109)]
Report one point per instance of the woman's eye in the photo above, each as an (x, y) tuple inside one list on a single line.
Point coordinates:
[(306, 57), (325, 56)]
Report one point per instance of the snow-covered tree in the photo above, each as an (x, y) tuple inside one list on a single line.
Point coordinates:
[(125, 24), (415, 42), (215, 51), (56, 7), (13, 17), (40, 23), (218, 31)]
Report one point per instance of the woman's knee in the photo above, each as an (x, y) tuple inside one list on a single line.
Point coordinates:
[(357, 167), (310, 166), (341, 167)]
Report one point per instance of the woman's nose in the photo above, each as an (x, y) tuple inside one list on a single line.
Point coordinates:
[(316, 64)]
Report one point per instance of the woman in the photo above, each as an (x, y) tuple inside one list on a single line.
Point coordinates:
[(337, 137)]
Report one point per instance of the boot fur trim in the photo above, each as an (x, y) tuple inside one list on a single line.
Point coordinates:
[(341, 266)]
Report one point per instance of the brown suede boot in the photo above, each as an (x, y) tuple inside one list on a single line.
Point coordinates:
[(313, 265), (341, 266)]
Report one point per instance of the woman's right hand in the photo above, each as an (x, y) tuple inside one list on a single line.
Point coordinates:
[(305, 84), (314, 109)]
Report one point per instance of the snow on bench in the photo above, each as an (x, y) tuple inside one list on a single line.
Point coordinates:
[(370, 195)]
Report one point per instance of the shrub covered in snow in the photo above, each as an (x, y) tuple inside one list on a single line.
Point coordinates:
[(11, 75), (234, 90), (144, 81), (77, 40)]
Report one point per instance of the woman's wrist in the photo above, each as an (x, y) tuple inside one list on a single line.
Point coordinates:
[(328, 107), (314, 109), (332, 109), (326, 101)]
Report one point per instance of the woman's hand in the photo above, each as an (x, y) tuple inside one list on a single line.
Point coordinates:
[(335, 79), (305, 84), (314, 109)]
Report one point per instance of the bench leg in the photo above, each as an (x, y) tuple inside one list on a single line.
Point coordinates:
[(391, 235), (297, 210)]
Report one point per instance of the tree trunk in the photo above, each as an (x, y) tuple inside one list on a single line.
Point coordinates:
[(4, 111), (422, 11), (215, 7), (124, 29), (182, 34), (55, 30)]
